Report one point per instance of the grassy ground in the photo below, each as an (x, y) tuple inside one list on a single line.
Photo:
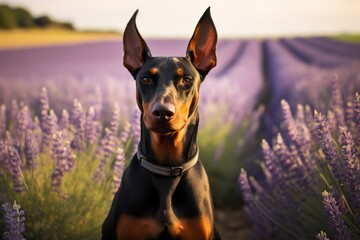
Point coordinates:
[(40, 37), (348, 38)]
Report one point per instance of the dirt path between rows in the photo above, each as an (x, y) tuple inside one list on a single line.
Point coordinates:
[(233, 224)]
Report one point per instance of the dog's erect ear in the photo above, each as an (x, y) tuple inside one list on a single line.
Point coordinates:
[(202, 46), (135, 49)]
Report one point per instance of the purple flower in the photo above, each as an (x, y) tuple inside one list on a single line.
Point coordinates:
[(245, 186), (49, 129), (44, 108), (78, 120), (335, 219), (277, 164), (322, 236), (283, 155), (352, 170), (31, 149), (64, 161), (23, 122), (298, 133), (115, 119), (289, 121), (15, 167), (125, 134), (2, 120), (327, 145), (64, 120), (136, 129), (118, 169), (107, 150), (14, 221), (90, 127)]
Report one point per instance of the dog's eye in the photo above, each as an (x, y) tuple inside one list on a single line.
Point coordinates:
[(187, 80), (146, 79)]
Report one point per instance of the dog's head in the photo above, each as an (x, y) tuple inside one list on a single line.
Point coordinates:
[(168, 87)]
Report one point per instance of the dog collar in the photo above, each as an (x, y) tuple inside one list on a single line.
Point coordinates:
[(175, 171)]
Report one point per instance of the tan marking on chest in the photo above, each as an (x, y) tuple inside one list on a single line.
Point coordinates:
[(129, 227), (199, 228)]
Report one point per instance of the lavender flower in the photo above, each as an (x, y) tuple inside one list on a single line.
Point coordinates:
[(14, 221), (90, 127), (289, 121), (78, 120), (335, 219), (23, 120), (245, 186), (107, 150), (322, 236), (136, 130), (297, 132), (327, 145), (44, 108), (125, 134), (31, 149), (49, 129), (115, 119), (15, 167), (352, 170), (64, 120), (2, 120), (62, 155), (118, 169)]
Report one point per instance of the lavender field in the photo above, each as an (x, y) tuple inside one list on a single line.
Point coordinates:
[(69, 125)]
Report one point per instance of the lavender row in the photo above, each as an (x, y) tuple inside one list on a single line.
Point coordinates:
[(316, 56), (338, 47), (24, 138), (312, 175), (291, 79), (234, 94)]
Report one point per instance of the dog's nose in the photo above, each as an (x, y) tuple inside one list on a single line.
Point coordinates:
[(164, 112)]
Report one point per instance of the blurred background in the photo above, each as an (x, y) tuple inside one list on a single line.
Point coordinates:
[(53, 52)]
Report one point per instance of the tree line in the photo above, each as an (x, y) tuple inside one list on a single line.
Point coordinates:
[(18, 17)]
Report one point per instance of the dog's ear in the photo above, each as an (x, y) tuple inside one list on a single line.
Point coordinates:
[(135, 49), (202, 46)]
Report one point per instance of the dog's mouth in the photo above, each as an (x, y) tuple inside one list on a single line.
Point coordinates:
[(163, 127)]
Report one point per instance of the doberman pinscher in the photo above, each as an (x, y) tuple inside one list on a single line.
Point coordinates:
[(165, 193)]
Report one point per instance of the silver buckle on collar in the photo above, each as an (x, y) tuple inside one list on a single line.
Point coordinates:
[(176, 171)]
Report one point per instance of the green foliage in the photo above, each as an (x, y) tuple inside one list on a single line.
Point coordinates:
[(19, 17), (7, 18), (225, 149), (23, 18), (42, 21), (76, 212)]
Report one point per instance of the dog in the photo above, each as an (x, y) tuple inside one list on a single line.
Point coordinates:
[(165, 193)]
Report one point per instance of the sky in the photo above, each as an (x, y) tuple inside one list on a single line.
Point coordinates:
[(233, 18)]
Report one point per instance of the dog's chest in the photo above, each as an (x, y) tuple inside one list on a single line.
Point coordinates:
[(174, 209)]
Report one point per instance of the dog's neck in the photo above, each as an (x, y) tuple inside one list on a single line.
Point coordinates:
[(173, 149)]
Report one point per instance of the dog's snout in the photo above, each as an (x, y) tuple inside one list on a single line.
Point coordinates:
[(164, 112)]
